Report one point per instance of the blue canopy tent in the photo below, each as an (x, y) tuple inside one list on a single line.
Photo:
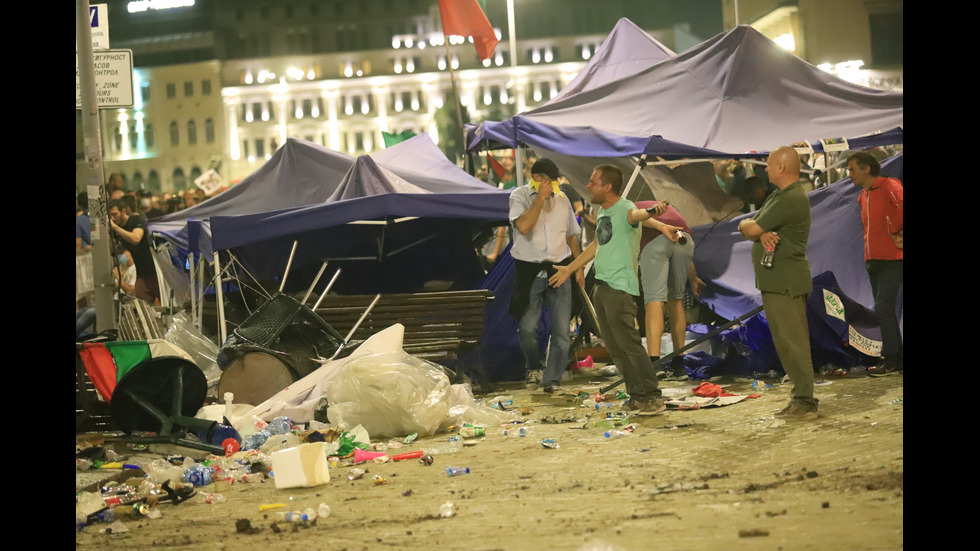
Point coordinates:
[(735, 96), (625, 51), (306, 189)]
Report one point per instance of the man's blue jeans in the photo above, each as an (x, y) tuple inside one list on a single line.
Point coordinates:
[(559, 305)]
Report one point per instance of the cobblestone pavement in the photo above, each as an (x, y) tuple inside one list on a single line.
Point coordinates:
[(730, 477)]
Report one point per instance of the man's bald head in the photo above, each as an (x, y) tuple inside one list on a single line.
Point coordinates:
[(783, 166)]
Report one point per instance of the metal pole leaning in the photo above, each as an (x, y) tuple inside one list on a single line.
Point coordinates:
[(356, 325), (636, 172), (315, 281), (324, 293), (288, 264), (692, 344), (588, 302)]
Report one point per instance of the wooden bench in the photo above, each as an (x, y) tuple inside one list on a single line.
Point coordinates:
[(441, 327)]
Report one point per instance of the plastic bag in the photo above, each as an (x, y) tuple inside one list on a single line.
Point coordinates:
[(465, 409), (202, 351), (390, 394)]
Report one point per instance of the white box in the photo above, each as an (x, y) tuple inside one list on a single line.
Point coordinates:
[(303, 466)]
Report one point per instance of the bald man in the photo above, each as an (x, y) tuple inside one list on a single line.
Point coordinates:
[(783, 224)]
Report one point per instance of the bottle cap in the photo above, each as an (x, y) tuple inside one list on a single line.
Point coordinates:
[(231, 446)]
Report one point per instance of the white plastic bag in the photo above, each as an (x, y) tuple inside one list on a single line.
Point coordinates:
[(390, 394)]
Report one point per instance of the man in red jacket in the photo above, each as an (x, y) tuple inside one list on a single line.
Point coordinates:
[(882, 217)]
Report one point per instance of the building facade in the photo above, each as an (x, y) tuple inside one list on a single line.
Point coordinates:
[(221, 83)]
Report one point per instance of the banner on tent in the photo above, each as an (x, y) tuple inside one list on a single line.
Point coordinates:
[(834, 306), (862, 344)]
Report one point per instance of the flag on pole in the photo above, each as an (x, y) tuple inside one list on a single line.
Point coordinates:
[(466, 18), (498, 168), (392, 139)]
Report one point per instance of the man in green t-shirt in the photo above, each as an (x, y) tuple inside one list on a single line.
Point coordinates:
[(616, 250), (785, 283)]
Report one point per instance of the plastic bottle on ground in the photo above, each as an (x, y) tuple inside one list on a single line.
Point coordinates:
[(456, 471), (290, 516), (447, 509), (255, 440), (199, 475), (280, 425), (323, 511)]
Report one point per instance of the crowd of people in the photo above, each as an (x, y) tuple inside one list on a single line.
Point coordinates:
[(134, 272), (644, 247), (647, 247)]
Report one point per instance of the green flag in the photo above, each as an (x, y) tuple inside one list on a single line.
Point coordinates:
[(392, 139)]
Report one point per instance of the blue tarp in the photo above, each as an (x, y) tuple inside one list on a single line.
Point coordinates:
[(836, 255)]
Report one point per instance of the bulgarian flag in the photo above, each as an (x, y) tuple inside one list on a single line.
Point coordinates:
[(466, 18), (107, 362)]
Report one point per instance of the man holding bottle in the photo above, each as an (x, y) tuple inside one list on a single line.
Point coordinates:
[(785, 280)]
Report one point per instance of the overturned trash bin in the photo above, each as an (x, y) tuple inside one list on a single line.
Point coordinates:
[(161, 396)]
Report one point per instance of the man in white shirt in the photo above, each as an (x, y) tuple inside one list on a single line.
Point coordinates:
[(546, 234)]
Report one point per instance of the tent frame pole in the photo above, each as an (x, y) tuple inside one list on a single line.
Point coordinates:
[(190, 259), (219, 294), (636, 172)]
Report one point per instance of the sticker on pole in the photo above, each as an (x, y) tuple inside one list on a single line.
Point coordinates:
[(113, 79)]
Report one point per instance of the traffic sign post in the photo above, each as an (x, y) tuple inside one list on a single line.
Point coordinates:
[(86, 92), (99, 18)]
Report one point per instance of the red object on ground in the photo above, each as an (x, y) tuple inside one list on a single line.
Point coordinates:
[(408, 455)]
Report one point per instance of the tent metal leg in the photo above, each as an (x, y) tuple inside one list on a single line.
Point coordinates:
[(219, 293), (636, 172)]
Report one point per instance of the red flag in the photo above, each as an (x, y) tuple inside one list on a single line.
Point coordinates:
[(497, 167), (465, 18)]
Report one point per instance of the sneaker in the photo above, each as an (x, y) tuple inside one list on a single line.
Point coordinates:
[(656, 407), (550, 389), (886, 367), (533, 380), (796, 412)]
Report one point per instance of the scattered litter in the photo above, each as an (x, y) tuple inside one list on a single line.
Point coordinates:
[(549, 443), (447, 509), (558, 418)]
